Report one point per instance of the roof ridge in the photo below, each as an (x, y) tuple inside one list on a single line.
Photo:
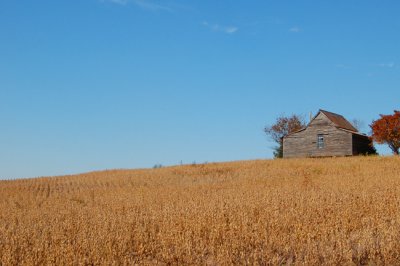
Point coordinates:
[(324, 111), (339, 120)]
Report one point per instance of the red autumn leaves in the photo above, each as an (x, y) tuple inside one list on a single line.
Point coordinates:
[(386, 130)]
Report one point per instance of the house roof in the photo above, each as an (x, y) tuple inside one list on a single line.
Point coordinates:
[(354, 133), (339, 121)]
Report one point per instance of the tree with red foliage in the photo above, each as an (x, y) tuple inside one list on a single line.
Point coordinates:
[(387, 130), (283, 125)]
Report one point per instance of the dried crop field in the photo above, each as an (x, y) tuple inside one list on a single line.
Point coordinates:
[(312, 211)]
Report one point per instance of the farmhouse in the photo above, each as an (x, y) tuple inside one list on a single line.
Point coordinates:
[(327, 134)]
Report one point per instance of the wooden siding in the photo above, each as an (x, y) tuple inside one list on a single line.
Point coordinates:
[(304, 143)]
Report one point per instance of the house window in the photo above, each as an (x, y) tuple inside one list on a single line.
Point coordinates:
[(320, 141)]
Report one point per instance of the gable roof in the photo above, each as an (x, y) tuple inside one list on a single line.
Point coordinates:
[(339, 120)]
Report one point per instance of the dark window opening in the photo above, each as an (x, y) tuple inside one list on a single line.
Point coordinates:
[(321, 141)]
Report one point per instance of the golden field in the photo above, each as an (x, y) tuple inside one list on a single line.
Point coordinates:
[(299, 211)]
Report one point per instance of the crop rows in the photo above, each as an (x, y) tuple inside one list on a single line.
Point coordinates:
[(300, 211)]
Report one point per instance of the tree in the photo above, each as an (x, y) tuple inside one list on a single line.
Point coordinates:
[(357, 123), (386, 130), (283, 125)]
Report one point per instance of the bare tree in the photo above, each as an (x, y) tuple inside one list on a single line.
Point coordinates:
[(358, 124), (283, 125)]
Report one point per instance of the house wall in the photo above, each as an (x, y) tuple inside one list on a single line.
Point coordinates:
[(304, 143)]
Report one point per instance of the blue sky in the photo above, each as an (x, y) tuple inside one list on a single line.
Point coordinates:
[(100, 84)]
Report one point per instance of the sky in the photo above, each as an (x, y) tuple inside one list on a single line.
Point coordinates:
[(103, 84)]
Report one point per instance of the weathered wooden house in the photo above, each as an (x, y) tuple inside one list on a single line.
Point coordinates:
[(327, 134)]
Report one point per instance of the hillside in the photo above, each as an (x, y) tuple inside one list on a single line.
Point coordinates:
[(313, 211)]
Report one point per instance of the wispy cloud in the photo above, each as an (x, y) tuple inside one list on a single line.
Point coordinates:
[(386, 65), (144, 4), (295, 29), (220, 28)]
